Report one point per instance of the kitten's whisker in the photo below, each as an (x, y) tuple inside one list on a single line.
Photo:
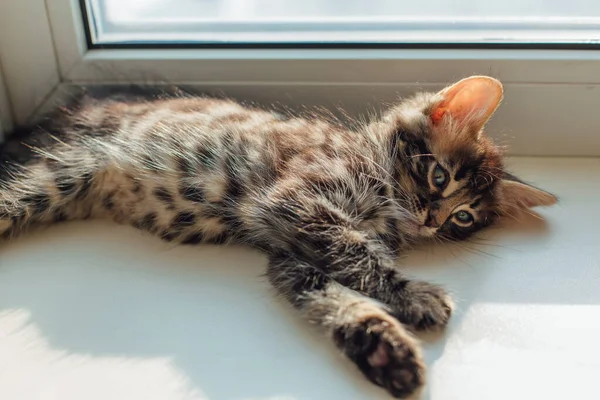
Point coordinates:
[(423, 155), (478, 243)]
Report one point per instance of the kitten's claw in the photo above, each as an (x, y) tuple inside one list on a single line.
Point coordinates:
[(385, 353), (423, 306)]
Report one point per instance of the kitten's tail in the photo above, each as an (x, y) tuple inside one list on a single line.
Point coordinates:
[(36, 186)]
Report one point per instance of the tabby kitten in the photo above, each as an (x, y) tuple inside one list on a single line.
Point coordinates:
[(331, 207)]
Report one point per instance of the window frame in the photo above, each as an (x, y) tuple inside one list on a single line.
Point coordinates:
[(295, 76), (501, 28)]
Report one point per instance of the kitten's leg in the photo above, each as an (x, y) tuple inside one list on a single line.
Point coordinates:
[(325, 236), (421, 305), (376, 342), (363, 264), (43, 192)]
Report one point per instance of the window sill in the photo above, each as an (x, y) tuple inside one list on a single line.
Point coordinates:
[(109, 313)]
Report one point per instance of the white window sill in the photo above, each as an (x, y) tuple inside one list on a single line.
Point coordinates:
[(97, 311)]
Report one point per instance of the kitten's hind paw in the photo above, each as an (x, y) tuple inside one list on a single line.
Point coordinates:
[(384, 352), (423, 306)]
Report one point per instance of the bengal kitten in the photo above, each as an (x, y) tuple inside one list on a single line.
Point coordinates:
[(331, 206)]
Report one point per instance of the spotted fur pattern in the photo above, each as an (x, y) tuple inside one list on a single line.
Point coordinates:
[(332, 207)]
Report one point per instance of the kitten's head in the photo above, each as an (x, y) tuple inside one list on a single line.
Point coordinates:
[(450, 175)]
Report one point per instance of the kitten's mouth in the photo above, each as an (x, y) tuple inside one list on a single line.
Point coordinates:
[(427, 231)]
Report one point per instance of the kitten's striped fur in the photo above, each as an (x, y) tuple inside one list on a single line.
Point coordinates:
[(331, 206)]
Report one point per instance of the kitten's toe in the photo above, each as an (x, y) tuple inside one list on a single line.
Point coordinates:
[(424, 306), (385, 353)]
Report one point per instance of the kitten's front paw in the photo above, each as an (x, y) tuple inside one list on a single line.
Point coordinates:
[(385, 353), (423, 306)]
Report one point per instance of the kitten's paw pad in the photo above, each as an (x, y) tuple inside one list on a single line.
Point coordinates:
[(424, 306), (385, 353)]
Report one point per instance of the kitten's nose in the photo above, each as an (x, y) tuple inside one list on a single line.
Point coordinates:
[(435, 205)]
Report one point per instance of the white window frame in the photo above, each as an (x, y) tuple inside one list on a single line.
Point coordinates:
[(549, 108)]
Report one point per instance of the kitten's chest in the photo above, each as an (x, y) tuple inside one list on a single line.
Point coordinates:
[(381, 224)]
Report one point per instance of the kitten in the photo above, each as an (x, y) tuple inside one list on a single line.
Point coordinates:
[(331, 207)]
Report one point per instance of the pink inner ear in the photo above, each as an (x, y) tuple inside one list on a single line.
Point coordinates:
[(472, 100), (438, 114)]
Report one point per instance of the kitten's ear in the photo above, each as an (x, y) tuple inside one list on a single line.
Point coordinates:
[(470, 102), (517, 196)]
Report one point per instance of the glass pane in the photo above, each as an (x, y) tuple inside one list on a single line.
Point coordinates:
[(344, 21)]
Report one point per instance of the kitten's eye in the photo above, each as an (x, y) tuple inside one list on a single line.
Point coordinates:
[(439, 176), (464, 217)]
